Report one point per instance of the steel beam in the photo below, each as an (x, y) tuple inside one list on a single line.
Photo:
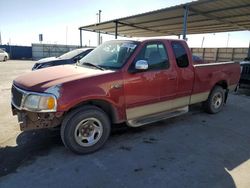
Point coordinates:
[(217, 18), (184, 32), (106, 33), (195, 14), (139, 27)]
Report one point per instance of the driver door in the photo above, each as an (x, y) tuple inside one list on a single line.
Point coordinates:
[(142, 88)]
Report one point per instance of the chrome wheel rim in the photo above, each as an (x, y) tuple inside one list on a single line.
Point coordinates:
[(88, 132), (217, 100)]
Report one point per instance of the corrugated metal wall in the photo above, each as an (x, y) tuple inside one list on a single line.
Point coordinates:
[(221, 54), (50, 50), (18, 52)]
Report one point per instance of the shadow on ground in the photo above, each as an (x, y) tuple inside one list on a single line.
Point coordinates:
[(32, 144), (29, 146), (199, 154)]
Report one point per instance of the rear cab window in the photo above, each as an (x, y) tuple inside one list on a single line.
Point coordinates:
[(181, 55)]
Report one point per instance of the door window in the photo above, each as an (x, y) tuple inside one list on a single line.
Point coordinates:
[(156, 56)]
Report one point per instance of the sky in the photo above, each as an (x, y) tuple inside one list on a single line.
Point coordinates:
[(58, 20)]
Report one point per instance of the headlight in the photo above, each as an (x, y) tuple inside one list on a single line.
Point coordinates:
[(35, 102)]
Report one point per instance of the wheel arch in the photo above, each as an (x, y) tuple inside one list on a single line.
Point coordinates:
[(106, 106), (224, 85)]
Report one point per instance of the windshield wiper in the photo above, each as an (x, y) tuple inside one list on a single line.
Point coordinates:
[(93, 65)]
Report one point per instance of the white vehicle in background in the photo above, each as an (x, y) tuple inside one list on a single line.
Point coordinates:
[(3, 55)]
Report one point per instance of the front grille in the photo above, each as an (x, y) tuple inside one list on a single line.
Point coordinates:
[(17, 96)]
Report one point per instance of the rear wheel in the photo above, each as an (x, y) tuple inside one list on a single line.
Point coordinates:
[(215, 101), (5, 58), (85, 130)]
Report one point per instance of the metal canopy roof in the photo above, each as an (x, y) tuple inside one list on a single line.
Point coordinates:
[(204, 16)]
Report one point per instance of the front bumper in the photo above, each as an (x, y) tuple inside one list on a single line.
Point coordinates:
[(32, 120)]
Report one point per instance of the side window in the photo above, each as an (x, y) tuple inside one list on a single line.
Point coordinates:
[(156, 56), (180, 55)]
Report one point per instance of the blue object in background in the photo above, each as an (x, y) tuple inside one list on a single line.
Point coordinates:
[(18, 52)]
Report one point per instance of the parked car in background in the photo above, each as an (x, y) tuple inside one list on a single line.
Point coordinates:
[(245, 73), (3, 55), (198, 60), (67, 58)]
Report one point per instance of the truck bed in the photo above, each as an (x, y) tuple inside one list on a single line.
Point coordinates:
[(207, 75)]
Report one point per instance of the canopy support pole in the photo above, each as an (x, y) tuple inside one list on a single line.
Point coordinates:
[(248, 51), (80, 38), (184, 33), (116, 29)]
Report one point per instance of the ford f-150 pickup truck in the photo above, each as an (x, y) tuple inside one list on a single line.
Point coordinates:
[(137, 82)]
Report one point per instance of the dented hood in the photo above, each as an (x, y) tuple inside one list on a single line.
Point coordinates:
[(42, 79)]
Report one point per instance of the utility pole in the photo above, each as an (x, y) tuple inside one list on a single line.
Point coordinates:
[(202, 41), (228, 35), (66, 36), (99, 34)]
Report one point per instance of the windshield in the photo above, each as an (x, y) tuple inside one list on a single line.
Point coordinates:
[(110, 55), (71, 54)]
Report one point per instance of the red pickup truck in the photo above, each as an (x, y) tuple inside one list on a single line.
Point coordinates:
[(137, 82)]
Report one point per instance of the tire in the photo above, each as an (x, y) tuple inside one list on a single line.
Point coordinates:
[(215, 101), (5, 58), (85, 129)]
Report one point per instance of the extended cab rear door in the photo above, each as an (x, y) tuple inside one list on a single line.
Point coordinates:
[(185, 72)]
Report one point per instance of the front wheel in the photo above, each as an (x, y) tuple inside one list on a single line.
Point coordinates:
[(215, 101), (5, 58), (85, 130)]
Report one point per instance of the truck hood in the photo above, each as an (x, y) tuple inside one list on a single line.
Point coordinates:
[(42, 79)]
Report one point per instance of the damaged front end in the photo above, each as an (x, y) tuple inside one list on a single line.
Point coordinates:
[(32, 120), (36, 110)]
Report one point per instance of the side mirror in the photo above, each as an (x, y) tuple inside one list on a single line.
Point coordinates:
[(141, 65), (76, 59)]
